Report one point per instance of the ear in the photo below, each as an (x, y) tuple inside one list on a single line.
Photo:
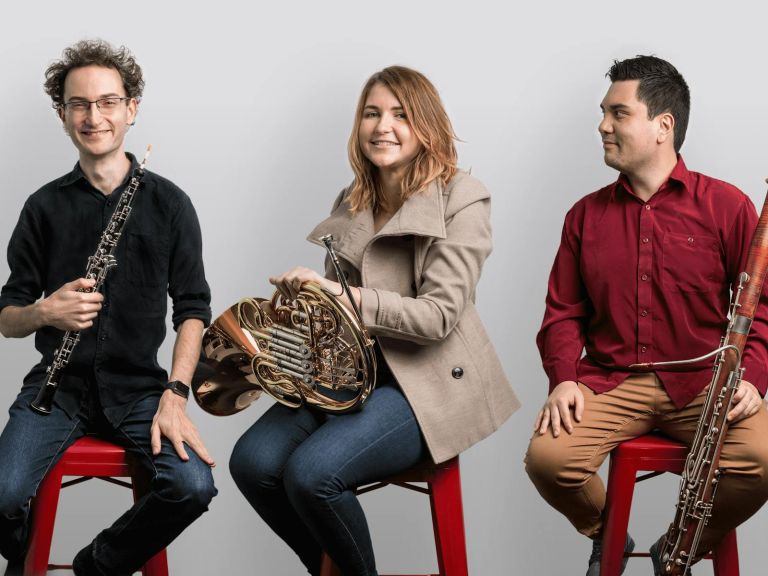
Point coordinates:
[(666, 130), (133, 110), (60, 112)]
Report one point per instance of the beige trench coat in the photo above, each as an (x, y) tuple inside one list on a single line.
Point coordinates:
[(417, 277)]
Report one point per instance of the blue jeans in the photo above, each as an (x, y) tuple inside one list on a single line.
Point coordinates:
[(31, 444), (299, 469)]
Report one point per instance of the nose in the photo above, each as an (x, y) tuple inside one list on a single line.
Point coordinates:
[(384, 124), (94, 112), (605, 126)]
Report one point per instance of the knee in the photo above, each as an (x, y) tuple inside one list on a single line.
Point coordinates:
[(189, 483), (309, 483), (14, 494), (756, 460), (546, 464), (255, 467)]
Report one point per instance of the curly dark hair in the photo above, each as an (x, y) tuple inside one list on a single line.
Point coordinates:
[(662, 88), (93, 52)]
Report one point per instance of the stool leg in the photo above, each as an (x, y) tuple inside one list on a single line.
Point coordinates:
[(726, 557), (618, 502), (448, 521), (42, 519)]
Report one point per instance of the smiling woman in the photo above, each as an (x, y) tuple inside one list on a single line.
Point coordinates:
[(412, 233)]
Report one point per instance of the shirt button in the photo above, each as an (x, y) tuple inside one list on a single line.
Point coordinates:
[(645, 240), (102, 337), (644, 277), (690, 239), (647, 206), (457, 372), (643, 348), (644, 313)]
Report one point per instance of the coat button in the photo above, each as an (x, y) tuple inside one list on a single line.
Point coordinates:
[(457, 372)]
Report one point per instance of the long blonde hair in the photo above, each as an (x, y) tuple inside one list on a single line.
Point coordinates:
[(437, 159)]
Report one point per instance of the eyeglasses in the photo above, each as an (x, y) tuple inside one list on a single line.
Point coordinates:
[(104, 105)]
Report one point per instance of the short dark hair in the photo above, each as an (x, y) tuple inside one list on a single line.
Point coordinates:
[(662, 89), (93, 53)]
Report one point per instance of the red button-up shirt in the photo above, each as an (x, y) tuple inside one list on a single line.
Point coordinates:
[(637, 281)]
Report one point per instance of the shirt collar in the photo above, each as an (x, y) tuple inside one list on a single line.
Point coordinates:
[(77, 172), (679, 175)]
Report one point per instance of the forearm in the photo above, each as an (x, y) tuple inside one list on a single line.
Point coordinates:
[(21, 321), (186, 350)]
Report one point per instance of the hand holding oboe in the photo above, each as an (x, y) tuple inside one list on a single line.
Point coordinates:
[(72, 307)]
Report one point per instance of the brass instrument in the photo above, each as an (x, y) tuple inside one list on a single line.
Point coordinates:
[(701, 474), (98, 266), (310, 350)]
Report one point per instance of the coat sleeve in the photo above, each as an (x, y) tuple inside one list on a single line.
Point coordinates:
[(451, 270)]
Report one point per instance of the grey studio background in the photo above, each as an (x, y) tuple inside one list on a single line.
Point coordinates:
[(249, 106)]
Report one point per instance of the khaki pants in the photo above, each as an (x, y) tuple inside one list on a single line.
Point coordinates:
[(564, 469)]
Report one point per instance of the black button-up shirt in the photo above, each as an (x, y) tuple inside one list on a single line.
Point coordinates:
[(158, 255)]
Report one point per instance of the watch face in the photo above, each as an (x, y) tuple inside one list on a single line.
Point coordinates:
[(178, 387)]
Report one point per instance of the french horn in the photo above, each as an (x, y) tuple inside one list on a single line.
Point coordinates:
[(310, 350)]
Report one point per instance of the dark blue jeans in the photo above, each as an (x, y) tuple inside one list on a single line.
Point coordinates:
[(299, 469), (31, 444)]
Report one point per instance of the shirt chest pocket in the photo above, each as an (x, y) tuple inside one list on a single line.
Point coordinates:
[(147, 259), (692, 263)]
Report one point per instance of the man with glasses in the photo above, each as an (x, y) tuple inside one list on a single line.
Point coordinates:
[(113, 384)]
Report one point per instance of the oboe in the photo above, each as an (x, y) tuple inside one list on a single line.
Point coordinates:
[(98, 266), (701, 474)]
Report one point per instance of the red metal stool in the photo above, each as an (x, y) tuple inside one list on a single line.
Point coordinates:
[(89, 457), (444, 489), (659, 454)]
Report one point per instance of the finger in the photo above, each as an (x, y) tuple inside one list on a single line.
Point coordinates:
[(197, 445), (555, 417), (539, 416), (80, 284), (86, 317), (155, 439), (578, 411), (91, 297), (178, 445), (565, 414), (737, 411), (544, 421)]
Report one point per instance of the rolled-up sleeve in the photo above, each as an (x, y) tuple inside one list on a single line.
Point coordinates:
[(187, 286), (25, 261)]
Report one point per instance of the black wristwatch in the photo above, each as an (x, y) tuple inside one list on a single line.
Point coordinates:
[(178, 387)]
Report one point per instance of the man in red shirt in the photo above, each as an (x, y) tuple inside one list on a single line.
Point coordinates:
[(643, 274)]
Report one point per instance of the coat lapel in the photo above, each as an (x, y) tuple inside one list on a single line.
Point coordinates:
[(422, 214)]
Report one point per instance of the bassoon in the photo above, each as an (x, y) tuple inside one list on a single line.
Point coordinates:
[(98, 266), (702, 472)]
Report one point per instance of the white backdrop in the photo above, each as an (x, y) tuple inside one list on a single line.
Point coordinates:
[(249, 106)]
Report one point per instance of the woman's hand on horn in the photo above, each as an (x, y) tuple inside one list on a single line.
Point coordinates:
[(290, 283)]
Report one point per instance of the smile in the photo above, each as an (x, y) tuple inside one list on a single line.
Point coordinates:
[(92, 132), (384, 143)]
